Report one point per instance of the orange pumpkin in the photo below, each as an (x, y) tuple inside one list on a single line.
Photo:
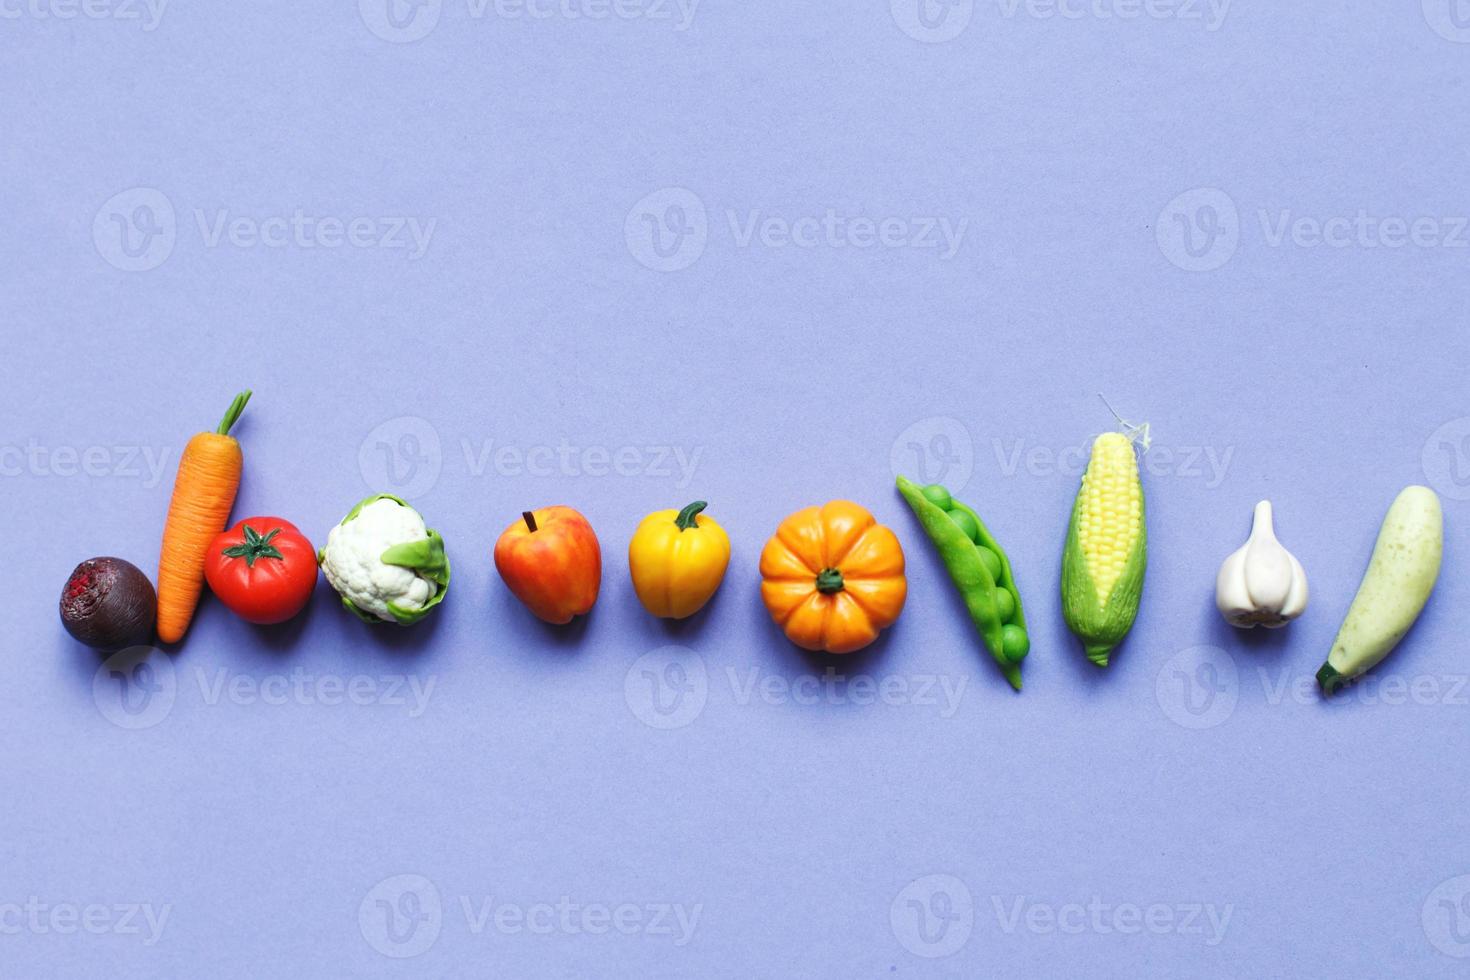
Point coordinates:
[(832, 577)]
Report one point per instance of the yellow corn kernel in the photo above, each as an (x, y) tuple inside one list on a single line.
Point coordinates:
[(1112, 511)]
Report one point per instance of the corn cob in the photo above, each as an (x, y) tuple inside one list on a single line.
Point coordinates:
[(1103, 564)]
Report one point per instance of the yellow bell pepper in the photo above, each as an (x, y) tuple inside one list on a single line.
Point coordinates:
[(678, 560)]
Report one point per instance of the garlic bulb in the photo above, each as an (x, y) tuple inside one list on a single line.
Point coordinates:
[(1262, 583)]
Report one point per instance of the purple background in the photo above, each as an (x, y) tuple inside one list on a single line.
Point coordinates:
[(836, 838)]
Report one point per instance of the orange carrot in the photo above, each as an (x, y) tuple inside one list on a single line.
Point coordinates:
[(204, 492)]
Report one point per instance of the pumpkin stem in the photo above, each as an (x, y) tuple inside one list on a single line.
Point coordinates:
[(829, 580)]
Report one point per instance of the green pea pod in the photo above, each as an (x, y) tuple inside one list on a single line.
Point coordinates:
[(980, 570)]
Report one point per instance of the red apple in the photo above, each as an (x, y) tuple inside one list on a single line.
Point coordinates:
[(552, 562)]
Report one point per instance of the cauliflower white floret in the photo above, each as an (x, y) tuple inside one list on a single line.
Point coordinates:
[(352, 560)]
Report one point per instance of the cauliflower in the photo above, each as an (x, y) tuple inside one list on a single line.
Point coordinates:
[(384, 563)]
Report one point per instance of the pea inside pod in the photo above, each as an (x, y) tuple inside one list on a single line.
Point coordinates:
[(980, 570)]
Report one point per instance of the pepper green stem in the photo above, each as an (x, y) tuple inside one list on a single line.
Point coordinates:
[(232, 414), (686, 518), (829, 580), (1330, 680), (530, 520)]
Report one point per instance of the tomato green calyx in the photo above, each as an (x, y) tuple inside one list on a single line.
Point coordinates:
[(829, 580), (256, 546), (232, 414), (688, 517), (530, 520)]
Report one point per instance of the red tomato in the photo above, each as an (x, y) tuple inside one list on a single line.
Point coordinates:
[(262, 568)]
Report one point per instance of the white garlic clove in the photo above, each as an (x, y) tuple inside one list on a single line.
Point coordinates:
[(1261, 583)]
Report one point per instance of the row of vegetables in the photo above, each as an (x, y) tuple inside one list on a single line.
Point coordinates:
[(832, 577)]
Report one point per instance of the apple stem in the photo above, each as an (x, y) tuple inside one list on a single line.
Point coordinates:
[(530, 520)]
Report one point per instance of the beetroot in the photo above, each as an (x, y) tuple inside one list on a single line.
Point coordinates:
[(108, 604)]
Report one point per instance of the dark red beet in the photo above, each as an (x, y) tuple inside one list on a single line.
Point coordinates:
[(108, 604)]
